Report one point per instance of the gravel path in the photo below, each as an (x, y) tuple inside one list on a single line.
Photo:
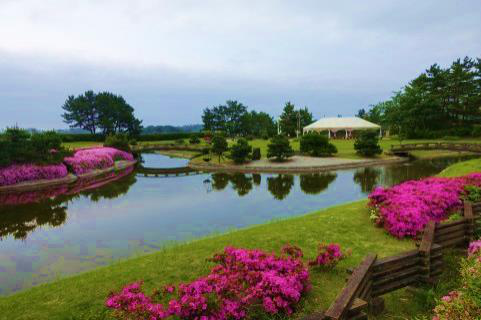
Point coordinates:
[(301, 161)]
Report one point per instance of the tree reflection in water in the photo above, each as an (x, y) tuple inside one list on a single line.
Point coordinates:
[(241, 183), (367, 178), (280, 186), (22, 213), (317, 182), (220, 181), (257, 179)]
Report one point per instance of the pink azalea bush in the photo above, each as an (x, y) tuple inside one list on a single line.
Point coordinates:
[(405, 209), (87, 160), (242, 283), (18, 173), (329, 256), (464, 303)]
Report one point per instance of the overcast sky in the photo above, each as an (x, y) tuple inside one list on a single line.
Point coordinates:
[(171, 59)]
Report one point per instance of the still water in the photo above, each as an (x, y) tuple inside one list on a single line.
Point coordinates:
[(132, 215)]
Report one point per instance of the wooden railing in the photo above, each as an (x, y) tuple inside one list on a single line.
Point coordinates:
[(376, 277), (468, 147)]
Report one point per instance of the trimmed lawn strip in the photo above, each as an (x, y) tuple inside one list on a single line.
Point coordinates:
[(83, 296)]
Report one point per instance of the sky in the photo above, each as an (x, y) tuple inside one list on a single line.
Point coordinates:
[(172, 59)]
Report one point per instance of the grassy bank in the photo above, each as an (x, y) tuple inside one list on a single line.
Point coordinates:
[(345, 147), (82, 296), (462, 168)]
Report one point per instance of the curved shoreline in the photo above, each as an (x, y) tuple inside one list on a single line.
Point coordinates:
[(69, 179), (208, 167)]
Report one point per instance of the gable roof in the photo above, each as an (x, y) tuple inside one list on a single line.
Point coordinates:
[(340, 124)]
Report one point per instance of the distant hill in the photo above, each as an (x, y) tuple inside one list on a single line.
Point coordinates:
[(147, 129), (172, 129)]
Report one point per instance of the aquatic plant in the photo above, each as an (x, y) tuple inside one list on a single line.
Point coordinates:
[(18, 173), (242, 283), (405, 209), (87, 160)]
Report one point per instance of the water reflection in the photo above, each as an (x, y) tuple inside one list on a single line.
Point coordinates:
[(367, 178), (317, 182), (22, 213), (280, 186), (19, 221)]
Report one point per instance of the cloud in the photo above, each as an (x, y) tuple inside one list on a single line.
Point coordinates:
[(186, 55)]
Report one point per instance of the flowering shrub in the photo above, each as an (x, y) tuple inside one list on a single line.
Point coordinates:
[(329, 255), (86, 160), (242, 282), (465, 303), (17, 173), (405, 209)]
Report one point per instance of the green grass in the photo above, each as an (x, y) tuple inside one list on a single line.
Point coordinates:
[(82, 296), (462, 168)]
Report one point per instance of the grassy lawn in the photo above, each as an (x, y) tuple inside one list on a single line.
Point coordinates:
[(462, 168), (82, 296)]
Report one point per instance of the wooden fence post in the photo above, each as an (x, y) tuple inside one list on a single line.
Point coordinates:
[(348, 304), (469, 216), (425, 251)]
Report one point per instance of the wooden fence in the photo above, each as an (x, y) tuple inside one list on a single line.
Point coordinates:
[(375, 277)]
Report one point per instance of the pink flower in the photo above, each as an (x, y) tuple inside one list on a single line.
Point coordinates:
[(405, 209), (18, 173), (87, 160), (240, 281)]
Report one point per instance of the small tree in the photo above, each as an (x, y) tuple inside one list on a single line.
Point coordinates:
[(194, 140), (280, 148), (240, 151), (256, 154), (219, 146), (367, 144), (317, 145)]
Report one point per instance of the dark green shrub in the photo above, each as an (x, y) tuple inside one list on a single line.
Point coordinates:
[(219, 146), (194, 140), (472, 193), (249, 137), (118, 141), (16, 135), (256, 154), (133, 142), (179, 141), (367, 144), (279, 148), (240, 151), (265, 136), (317, 145), (476, 131), (18, 146)]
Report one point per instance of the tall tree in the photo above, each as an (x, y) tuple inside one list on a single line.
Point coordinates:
[(105, 111), (82, 112), (292, 121)]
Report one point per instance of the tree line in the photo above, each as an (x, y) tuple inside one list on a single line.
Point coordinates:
[(439, 102), (234, 119)]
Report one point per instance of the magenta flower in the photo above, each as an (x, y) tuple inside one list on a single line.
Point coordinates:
[(18, 173), (87, 160), (405, 209)]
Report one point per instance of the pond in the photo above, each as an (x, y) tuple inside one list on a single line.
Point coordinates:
[(132, 215)]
